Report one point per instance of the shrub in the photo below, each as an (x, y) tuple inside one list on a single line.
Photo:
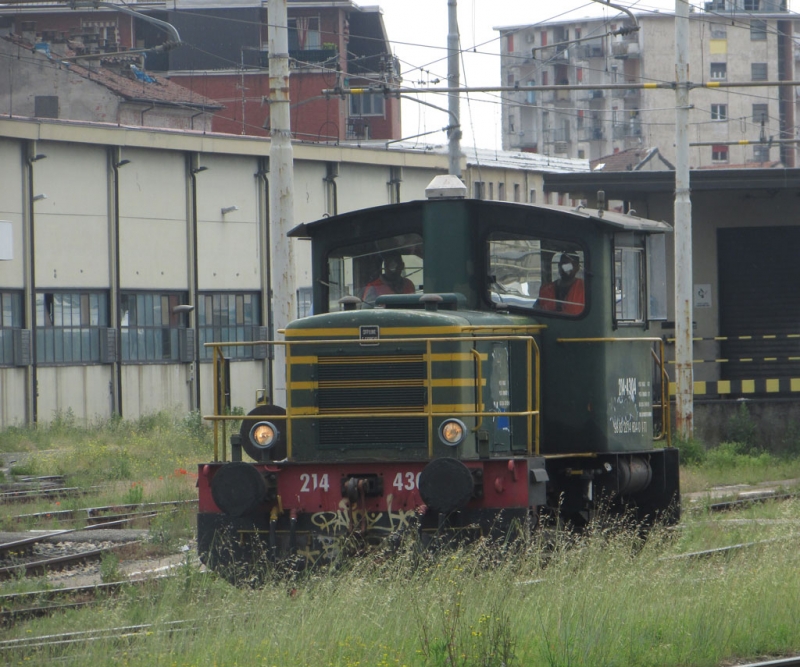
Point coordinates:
[(742, 428), (692, 451), (728, 455)]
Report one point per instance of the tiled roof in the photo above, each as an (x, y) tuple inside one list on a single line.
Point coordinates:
[(632, 159), (161, 91)]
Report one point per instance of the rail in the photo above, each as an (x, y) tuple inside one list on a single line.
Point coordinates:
[(532, 398), (666, 428)]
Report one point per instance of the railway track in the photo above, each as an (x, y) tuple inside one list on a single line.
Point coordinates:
[(16, 607), (31, 494), (66, 639), (20, 559), (94, 515)]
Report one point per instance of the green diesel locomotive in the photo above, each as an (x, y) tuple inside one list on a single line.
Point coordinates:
[(471, 366)]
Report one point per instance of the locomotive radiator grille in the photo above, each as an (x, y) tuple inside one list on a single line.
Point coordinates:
[(370, 384)]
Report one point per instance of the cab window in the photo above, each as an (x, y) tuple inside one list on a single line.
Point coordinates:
[(391, 265), (540, 274), (629, 281)]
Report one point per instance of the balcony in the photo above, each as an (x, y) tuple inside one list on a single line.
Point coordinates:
[(358, 128), (561, 95), (559, 135), (591, 134), (624, 50), (626, 130), (300, 57), (557, 54), (591, 50)]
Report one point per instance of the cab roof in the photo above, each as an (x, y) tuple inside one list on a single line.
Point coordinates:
[(609, 219)]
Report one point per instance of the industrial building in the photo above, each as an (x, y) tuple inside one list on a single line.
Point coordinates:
[(125, 249)]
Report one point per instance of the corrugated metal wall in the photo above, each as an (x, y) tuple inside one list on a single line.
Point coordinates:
[(759, 294)]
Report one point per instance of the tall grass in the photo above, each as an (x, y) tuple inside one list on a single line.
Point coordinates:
[(608, 599), (147, 448)]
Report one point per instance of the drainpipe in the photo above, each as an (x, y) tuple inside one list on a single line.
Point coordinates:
[(150, 108), (29, 156), (193, 169), (114, 272), (266, 279)]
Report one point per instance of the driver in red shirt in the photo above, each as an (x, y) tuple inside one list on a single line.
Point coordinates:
[(391, 281), (566, 294)]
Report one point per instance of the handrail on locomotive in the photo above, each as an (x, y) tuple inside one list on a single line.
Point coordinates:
[(533, 402)]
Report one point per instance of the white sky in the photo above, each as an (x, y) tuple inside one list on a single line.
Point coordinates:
[(418, 30)]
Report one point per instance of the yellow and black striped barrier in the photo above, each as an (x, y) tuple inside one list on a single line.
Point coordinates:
[(736, 387), (741, 360), (749, 337)]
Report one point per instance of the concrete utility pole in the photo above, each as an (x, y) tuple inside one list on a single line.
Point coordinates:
[(281, 189), (454, 133), (684, 394)]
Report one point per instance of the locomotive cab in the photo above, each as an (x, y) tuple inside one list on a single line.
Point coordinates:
[(470, 366)]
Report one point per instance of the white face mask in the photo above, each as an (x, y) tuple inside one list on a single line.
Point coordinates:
[(567, 268)]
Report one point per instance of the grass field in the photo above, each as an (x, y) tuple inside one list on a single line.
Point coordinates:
[(604, 598)]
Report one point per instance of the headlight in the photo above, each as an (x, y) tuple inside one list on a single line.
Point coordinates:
[(452, 432), (264, 435)]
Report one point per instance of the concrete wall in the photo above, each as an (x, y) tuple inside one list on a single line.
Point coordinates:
[(776, 423)]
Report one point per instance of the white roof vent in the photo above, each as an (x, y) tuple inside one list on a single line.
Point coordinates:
[(444, 187)]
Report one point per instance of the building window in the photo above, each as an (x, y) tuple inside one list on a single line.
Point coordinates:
[(491, 190), (510, 43), (531, 93), (511, 123), (544, 37), (758, 30), (544, 78), (10, 319), (516, 192), (368, 104), (760, 113), (305, 306), (719, 31), (501, 191), (581, 154), (479, 190), (752, 5), (304, 34), (150, 327), (719, 112), (719, 153), (761, 153), (758, 71), (719, 71), (228, 317), (532, 196), (69, 326)]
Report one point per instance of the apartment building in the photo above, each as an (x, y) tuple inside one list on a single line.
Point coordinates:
[(730, 40)]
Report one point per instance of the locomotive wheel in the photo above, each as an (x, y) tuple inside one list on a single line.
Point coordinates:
[(278, 451)]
